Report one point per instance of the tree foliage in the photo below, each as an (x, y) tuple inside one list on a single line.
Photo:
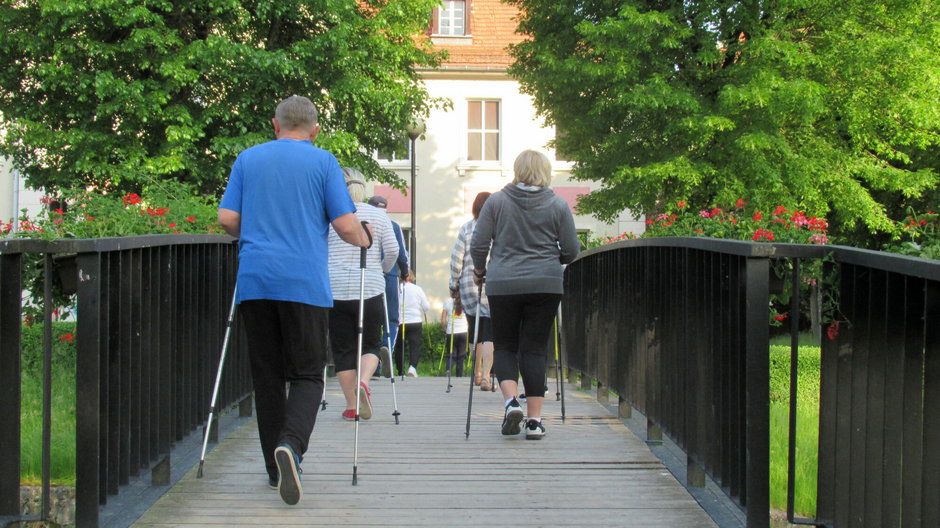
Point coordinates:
[(822, 105), (117, 93)]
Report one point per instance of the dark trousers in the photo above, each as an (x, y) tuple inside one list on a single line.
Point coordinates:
[(286, 344), (522, 325), (344, 323), (409, 335), (459, 352)]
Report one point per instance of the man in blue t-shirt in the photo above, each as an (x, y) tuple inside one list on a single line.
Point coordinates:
[(280, 200)]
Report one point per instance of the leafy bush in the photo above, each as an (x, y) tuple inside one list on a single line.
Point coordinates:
[(923, 236)]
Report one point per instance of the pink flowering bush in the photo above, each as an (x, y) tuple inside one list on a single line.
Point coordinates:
[(171, 208), (738, 222)]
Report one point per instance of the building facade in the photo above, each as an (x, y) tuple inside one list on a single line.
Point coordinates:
[(471, 147)]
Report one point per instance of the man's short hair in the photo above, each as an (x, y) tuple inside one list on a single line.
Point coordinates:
[(296, 112)]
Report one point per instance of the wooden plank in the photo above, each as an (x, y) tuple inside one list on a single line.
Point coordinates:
[(588, 471)]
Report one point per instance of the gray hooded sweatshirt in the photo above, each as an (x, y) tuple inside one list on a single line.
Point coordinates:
[(532, 234)]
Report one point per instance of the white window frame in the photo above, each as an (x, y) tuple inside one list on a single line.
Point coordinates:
[(395, 160), (484, 131), (447, 13)]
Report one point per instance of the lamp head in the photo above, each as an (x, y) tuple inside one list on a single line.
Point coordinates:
[(415, 128)]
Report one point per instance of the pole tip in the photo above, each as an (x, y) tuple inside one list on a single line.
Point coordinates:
[(355, 476), (199, 471)]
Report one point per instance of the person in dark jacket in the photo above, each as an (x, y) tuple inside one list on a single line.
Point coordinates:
[(528, 233)]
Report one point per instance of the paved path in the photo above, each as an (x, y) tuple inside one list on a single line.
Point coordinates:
[(589, 470)]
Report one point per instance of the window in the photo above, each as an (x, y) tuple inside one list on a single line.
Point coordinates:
[(483, 130), (401, 153), (452, 18)]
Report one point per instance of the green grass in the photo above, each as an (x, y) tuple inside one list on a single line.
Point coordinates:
[(62, 459), (807, 428)]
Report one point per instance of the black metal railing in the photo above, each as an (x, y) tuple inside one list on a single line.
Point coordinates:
[(151, 314), (678, 328), (879, 417)]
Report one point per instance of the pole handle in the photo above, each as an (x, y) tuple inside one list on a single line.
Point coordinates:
[(362, 252)]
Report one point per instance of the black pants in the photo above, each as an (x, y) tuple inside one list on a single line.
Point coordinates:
[(412, 333), (344, 322), (458, 354), (286, 344), (522, 325)]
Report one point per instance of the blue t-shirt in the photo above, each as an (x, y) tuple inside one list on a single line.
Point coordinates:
[(287, 193)]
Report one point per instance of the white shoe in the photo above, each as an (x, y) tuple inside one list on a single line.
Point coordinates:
[(412, 372)]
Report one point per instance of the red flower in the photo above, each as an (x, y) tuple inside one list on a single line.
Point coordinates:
[(780, 317), (779, 210), (650, 221), (66, 337), (681, 203), (758, 216), (833, 330), (740, 202), (59, 211), (190, 218), (171, 225), (131, 199)]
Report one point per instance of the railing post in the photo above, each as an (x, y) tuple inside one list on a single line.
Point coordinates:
[(10, 328), (757, 443), (602, 394), (87, 398), (624, 409)]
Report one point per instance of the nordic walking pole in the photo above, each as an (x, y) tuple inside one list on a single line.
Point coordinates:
[(557, 369), (450, 352), (561, 338), (476, 339), (323, 399), (218, 380), (362, 308), (391, 361), (404, 328)]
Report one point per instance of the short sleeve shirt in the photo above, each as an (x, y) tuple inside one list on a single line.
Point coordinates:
[(287, 193)]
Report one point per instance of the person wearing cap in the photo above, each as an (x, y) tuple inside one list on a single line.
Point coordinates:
[(391, 286), (345, 281)]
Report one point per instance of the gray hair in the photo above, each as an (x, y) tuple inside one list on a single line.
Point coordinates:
[(532, 168), (296, 112), (355, 184)]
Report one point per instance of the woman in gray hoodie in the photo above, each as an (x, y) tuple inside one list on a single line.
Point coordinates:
[(528, 233)]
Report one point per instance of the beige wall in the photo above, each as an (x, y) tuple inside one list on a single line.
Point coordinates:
[(12, 200), (447, 183)]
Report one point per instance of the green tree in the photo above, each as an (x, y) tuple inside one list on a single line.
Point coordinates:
[(120, 93), (822, 105)]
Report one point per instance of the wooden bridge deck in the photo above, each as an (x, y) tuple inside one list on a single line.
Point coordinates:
[(588, 471)]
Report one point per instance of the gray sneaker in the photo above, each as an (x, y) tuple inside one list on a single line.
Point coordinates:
[(288, 468), (385, 361), (512, 420)]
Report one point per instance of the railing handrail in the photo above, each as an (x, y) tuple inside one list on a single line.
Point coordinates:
[(93, 245)]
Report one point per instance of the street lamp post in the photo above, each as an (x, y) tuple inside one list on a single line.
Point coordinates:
[(414, 130)]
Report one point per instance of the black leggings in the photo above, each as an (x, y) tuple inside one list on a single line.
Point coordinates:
[(522, 325), (410, 332), (459, 352)]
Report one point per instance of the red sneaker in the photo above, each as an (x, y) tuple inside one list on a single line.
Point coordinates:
[(349, 414)]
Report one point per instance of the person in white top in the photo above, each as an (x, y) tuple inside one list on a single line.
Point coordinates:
[(414, 305), (454, 321), (344, 282)]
